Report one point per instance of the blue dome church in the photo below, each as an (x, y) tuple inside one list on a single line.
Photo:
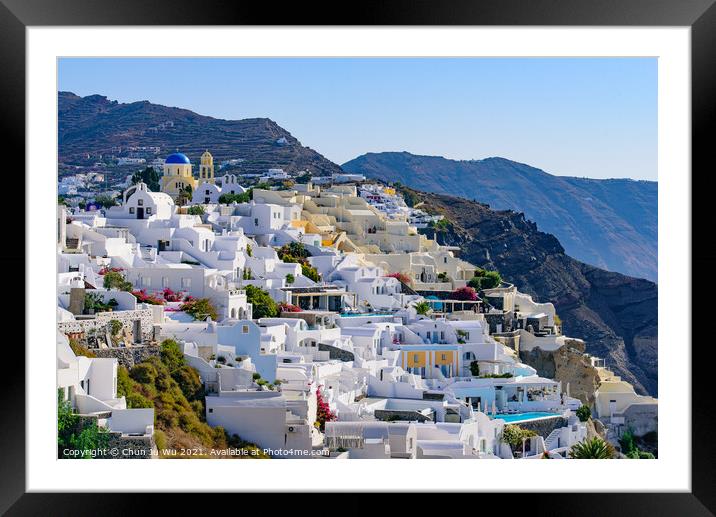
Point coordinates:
[(178, 176)]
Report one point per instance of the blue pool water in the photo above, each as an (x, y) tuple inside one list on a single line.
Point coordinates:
[(523, 417)]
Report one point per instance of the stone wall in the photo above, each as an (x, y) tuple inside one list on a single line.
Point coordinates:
[(101, 323), (568, 365), (129, 356), (336, 353), (544, 426)]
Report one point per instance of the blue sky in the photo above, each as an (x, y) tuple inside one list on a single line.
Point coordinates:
[(593, 117)]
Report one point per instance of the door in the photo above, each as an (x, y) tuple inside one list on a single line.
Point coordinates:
[(140, 212), (137, 331)]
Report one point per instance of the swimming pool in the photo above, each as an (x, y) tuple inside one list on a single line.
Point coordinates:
[(523, 417)]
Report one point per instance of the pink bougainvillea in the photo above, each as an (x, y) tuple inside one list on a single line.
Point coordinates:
[(323, 411), (289, 307), (464, 293), (173, 296), (106, 270), (401, 276), (152, 299)]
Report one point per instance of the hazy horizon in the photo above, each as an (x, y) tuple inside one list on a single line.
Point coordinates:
[(582, 117)]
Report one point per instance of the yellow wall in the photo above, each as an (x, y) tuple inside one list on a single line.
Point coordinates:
[(420, 356), (449, 357)]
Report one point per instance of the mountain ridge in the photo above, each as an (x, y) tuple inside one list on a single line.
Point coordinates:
[(97, 125), (609, 223)]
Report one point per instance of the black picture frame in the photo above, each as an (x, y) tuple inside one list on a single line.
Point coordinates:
[(700, 15)]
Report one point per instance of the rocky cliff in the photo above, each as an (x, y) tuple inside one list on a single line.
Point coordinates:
[(614, 314)]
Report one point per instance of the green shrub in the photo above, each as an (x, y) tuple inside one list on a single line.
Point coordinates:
[(423, 307), (475, 282), (200, 309), (474, 369), (171, 355), (290, 279), (491, 280), (160, 439), (513, 435), (189, 382), (583, 413), (310, 272), (143, 373), (256, 376), (594, 448), (137, 400), (115, 326), (115, 280), (195, 210), (263, 304)]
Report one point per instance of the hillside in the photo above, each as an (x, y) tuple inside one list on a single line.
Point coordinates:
[(611, 224), (95, 125), (615, 314)]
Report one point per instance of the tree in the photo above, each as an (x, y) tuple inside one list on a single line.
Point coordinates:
[(115, 280), (263, 304), (149, 176), (242, 197), (583, 413), (290, 278), (422, 307), (105, 201), (439, 226), (184, 195), (491, 280), (475, 282), (200, 309), (195, 210), (304, 178), (474, 369), (514, 435), (592, 449), (310, 272)]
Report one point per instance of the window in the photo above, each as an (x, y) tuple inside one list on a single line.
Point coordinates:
[(146, 281), (207, 192), (244, 329), (131, 209), (165, 281), (444, 357), (444, 260), (211, 410), (256, 221), (186, 283), (416, 358), (140, 202), (149, 210)]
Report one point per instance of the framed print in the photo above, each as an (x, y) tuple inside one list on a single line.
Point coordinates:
[(445, 233)]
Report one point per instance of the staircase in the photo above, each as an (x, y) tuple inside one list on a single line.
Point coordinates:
[(552, 440), (406, 289)]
